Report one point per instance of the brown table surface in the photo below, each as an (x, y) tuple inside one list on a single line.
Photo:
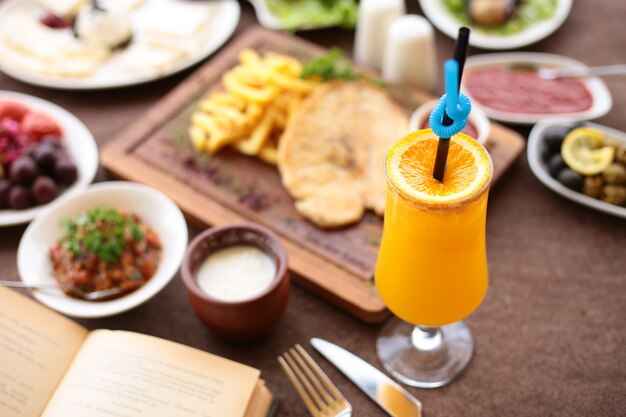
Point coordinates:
[(550, 336)]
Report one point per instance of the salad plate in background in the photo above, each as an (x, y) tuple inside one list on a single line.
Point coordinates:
[(531, 21), (305, 14)]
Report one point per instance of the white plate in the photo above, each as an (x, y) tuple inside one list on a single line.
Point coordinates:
[(539, 167), (154, 208), (438, 14), (602, 101), (112, 74), (77, 140)]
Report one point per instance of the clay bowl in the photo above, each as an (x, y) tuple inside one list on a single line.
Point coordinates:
[(247, 319)]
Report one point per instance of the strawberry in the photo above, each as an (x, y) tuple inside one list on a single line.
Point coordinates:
[(12, 110), (40, 125)]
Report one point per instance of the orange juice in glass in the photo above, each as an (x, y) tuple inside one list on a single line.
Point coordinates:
[(432, 266)]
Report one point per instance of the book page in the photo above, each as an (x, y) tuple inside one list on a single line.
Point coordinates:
[(260, 402), (124, 374), (36, 348)]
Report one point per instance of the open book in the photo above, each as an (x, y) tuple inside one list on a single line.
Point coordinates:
[(52, 367)]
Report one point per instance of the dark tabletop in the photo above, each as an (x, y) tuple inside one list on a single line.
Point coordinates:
[(550, 337)]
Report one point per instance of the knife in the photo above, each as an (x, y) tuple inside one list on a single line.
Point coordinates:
[(390, 396)]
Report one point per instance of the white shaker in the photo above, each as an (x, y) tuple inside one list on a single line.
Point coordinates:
[(375, 17), (410, 55)]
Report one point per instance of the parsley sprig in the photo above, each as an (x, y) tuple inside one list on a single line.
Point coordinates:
[(332, 66), (329, 67), (101, 231)]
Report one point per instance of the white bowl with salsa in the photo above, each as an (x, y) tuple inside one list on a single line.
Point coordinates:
[(507, 87), (478, 125), (155, 209)]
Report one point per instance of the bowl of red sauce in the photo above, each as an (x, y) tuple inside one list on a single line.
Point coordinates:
[(115, 234), (478, 125), (509, 88)]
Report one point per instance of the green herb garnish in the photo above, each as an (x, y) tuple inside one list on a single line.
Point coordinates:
[(329, 67), (332, 66), (101, 231), (295, 14)]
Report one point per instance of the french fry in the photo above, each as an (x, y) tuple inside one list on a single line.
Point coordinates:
[(260, 134), (226, 99), (204, 121), (219, 140), (258, 95), (249, 56), (262, 94), (269, 154), (231, 113), (280, 119), (291, 83), (284, 64)]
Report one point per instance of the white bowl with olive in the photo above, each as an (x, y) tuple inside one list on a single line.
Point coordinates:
[(582, 161)]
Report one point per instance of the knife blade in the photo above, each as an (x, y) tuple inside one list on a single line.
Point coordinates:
[(390, 396)]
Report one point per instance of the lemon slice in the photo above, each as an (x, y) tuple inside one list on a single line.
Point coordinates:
[(583, 151)]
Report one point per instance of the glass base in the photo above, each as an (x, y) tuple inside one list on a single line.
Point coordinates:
[(424, 357)]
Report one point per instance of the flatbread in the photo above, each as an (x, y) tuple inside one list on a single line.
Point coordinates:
[(331, 155)]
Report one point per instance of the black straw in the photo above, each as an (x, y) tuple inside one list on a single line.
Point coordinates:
[(460, 53)]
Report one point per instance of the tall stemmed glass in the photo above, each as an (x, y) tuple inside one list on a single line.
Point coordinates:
[(431, 273), (432, 265)]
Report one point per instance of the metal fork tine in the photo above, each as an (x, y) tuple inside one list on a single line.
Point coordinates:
[(304, 380), (297, 354), (320, 374), (310, 382), (298, 386)]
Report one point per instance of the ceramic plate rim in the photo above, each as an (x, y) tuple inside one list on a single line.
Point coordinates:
[(602, 100), (82, 142), (32, 254), (83, 83), (540, 170), (439, 16)]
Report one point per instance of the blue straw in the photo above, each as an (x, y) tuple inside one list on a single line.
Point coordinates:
[(460, 52)]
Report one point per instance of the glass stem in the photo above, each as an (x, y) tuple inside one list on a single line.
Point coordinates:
[(430, 341)]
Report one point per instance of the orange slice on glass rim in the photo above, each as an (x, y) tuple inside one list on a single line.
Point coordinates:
[(411, 160)]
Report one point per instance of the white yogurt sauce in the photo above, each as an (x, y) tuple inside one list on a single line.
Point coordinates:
[(236, 273)]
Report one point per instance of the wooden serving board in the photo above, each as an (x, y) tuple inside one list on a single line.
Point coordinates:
[(233, 188)]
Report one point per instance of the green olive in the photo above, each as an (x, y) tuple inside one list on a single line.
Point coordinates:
[(593, 186), (615, 174), (620, 154), (614, 194)]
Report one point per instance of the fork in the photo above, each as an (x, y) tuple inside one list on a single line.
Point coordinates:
[(320, 395)]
